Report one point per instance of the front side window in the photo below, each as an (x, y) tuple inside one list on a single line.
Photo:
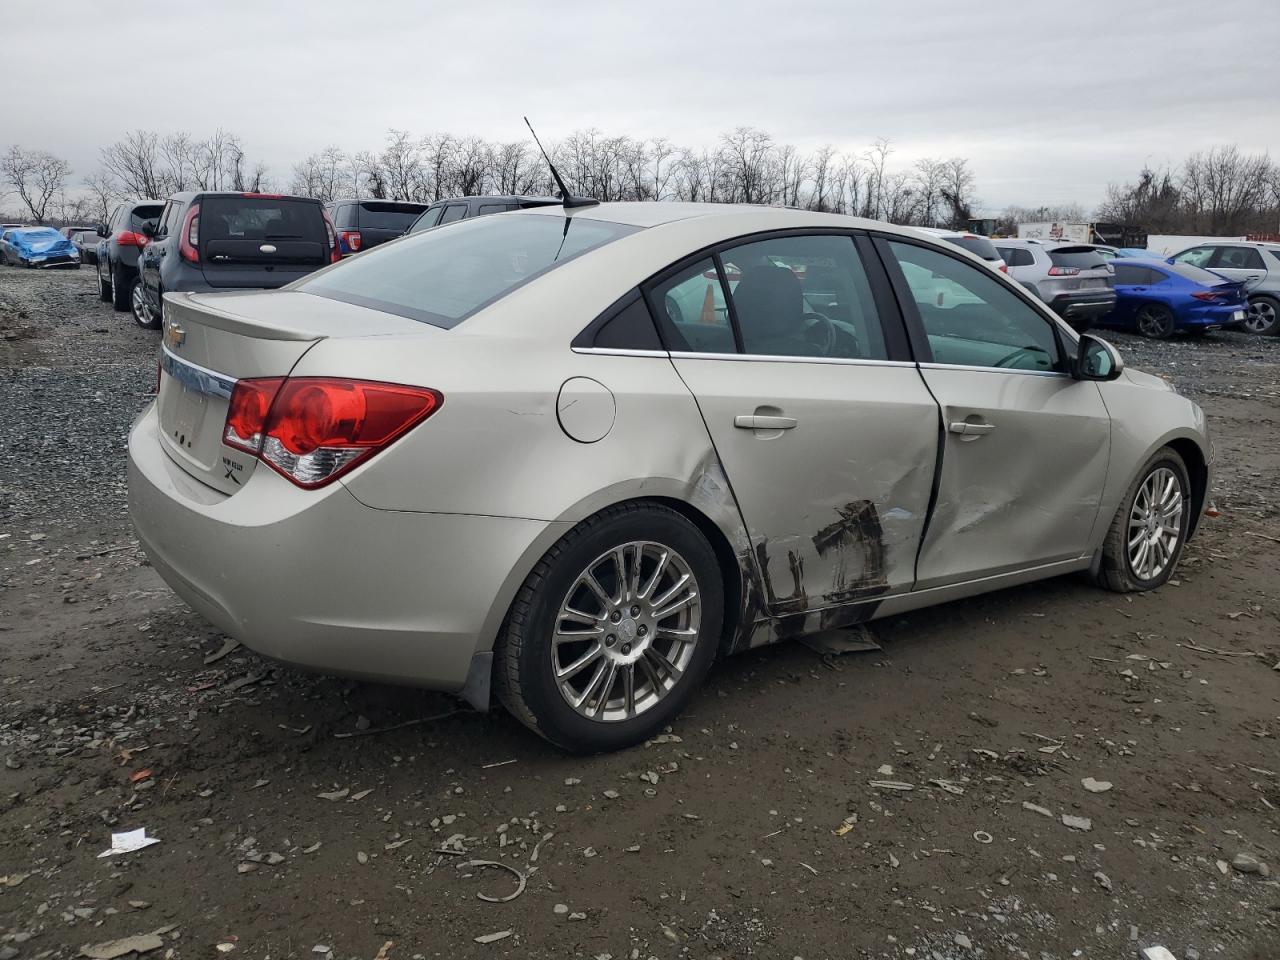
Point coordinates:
[(798, 296), (441, 277), (1239, 258), (428, 219), (692, 310), (1196, 256), (970, 317)]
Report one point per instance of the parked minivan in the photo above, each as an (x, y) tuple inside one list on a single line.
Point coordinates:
[(362, 224), (463, 208), (230, 241)]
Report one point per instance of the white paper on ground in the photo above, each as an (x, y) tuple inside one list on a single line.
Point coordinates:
[(128, 842)]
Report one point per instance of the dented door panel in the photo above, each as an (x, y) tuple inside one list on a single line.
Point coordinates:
[(1023, 488), (834, 505)]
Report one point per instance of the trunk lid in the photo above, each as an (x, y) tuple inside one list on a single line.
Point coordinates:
[(260, 241), (212, 340)]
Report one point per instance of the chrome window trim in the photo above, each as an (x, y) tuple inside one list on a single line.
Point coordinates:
[(202, 380), (620, 352), (976, 369), (770, 358)]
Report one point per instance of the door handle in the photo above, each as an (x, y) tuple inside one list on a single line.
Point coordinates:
[(970, 429), (754, 422)]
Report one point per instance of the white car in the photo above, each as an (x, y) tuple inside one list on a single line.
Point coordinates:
[(975, 243)]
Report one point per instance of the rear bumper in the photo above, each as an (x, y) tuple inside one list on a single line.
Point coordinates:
[(1081, 310), (1224, 317), (319, 580)]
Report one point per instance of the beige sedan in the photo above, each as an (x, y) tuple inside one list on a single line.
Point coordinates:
[(570, 457)]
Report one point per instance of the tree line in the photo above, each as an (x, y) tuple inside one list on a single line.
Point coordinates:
[(1221, 191), (745, 165)]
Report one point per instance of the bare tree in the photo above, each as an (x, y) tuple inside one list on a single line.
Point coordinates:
[(401, 165), (957, 191), (35, 176), (103, 191)]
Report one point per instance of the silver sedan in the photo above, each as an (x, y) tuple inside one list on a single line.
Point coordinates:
[(570, 457)]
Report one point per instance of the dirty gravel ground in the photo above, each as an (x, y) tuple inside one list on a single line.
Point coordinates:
[(727, 839)]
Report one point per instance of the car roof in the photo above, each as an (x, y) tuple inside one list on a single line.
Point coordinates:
[(1264, 244), (186, 195), (407, 203), (654, 214)]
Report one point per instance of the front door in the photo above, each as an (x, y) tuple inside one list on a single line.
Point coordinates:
[(1026, 447), (825, 429)]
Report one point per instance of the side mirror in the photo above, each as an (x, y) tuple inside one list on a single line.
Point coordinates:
[(149, 230), (1096, 360), (102, 231)]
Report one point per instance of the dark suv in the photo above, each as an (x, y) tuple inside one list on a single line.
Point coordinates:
[(117, 256), (362, 224), (461, 208), (229, 241)]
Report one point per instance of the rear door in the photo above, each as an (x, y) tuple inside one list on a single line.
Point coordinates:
[(381, 220), (1240, 264), (1026, 447), (825, 428), (255, 240)]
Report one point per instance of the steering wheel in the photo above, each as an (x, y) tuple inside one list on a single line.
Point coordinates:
[(820, 331)]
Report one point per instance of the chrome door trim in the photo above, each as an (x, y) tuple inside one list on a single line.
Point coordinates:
[(976, 369), (769, 358), (202, 380)]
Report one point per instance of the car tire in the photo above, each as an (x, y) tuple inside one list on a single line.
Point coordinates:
[(1126, 567), (1263, 317), (141, 310), (622, 650), (1155, 321), (121, 289), (104, 286)]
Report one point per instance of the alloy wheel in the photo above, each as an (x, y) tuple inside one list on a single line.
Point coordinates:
[(141, 310), (1155, 524), (1261, 317), (626, 631), (1154, 322)]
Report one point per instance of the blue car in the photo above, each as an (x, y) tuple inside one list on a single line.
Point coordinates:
[(38, 247), (1157, 299)]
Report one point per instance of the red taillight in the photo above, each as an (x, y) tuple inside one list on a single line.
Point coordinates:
[(335, 250), (352, 239), (312, 430), (127, 238), (1063, 271), (247, 413), (1204, 295), (189, 236)]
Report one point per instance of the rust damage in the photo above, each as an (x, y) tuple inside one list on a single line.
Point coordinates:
[(856, 540)]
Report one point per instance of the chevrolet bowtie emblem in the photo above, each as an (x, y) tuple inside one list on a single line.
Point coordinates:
[(174, 335)]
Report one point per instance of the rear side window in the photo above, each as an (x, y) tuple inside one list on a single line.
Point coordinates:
[(260, 218), (1196, 256), (1082, 258), (1017, 256), (455, 211), (692, 310), (442, 277), (800, 296), (978, 246), (428, 219), (1239, 258), (387, 216), (1131, 275), (494, 208), (168, 218), (1198, 274)]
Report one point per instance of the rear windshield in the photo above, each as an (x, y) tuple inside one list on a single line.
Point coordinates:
[(389, 216), (1083, 257), (441, 277), (260, 218), (148, 213), (978, 246), (1198, 274)]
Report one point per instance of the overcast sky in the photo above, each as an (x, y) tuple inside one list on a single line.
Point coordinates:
[(1049, 100)]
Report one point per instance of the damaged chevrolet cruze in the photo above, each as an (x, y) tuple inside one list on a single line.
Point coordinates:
[(568, 456)]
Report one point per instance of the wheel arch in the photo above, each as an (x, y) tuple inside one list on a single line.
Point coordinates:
[(1198, 470)]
